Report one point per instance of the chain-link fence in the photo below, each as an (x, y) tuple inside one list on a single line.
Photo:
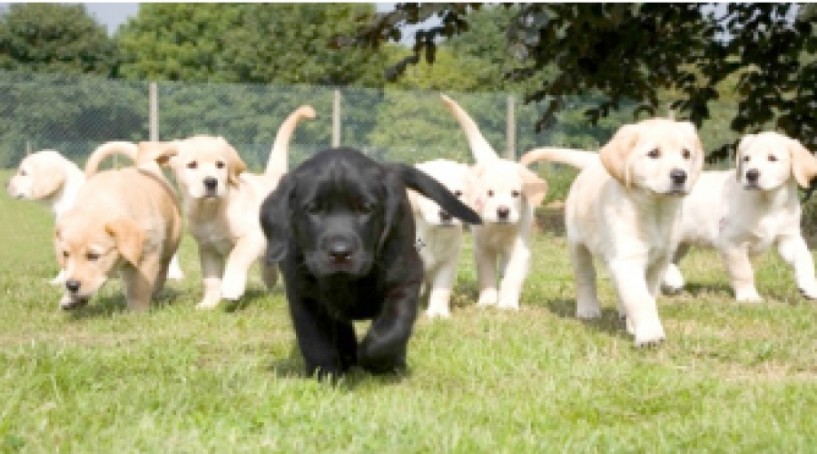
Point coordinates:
[(74, 114)]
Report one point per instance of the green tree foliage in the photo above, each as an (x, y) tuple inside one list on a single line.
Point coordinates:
[(644, 52), (55, 38)]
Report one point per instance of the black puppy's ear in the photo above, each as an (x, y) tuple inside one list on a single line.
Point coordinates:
[(431, 188), (276, 218)]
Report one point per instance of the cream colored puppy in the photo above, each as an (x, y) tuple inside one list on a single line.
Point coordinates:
[(624, 208), (439, 235), (222, 204), (124, 222), (505, 195), (743, 212)]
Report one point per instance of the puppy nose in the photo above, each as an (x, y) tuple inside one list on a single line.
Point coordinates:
[(72, 285), (503, 212), (210, 183), (445, 217), (678, 176), (752, 175), (340, 251)]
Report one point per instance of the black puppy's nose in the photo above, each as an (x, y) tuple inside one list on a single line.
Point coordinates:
[(72, 285), (752, 175), (210, 183), (678, 176), (503, 212), (340, 251), (445, 217)]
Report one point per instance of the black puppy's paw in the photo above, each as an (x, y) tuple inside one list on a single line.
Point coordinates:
[(382, 362)]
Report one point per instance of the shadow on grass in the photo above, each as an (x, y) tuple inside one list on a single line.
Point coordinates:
[(251, 296), (292, 367), (608, 323), (720, 289)]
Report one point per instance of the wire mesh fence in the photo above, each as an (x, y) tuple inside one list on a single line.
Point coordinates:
[(74, 114)]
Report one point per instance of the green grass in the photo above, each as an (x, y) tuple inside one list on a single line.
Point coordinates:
[(730, 378)]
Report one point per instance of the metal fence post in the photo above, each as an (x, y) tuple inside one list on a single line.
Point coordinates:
[(336, 119), (510, 132), (153, 115)]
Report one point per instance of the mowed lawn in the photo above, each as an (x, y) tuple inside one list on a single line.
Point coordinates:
[(730, 378)]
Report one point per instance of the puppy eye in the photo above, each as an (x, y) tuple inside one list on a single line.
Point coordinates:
[(220, 164), (23, 173), (686, 154), (772, 158), (364, 207), (746, 159), (490, 193), (192, 165), (458, 194), (65, 254), (92, 256), (514, 193), (312, 208), (654, 153)]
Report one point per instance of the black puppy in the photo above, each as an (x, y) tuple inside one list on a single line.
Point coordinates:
[(340, 227)]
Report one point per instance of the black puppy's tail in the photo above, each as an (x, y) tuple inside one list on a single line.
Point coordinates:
[(431, 188)]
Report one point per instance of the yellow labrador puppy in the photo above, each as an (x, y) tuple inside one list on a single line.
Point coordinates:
[(439, 235), (743, 212), (124, 222), (222, 204), (505, 195), (624, 208)]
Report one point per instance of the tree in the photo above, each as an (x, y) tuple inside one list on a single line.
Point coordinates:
[(653, 54), (55, 38)]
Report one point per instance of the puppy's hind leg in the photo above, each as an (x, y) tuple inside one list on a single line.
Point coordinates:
[(515, 271), (175, 270), (269, 274), (794, 251), (584, 274)]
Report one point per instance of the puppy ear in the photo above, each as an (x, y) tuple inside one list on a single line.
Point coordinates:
[(803, 163), (160, 152), (276, 218), (614, 156), (128, 239), (534, 188), (431, 188), (46, 181), (743, 145), (235, 165)]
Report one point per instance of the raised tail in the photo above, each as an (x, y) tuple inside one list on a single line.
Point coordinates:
[(106, 150), (278, 161), (575, 158), (480, 148)]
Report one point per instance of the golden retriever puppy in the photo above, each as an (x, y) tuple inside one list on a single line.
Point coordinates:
[(743, 212), (439, 234), (222, 203), (624, 208), (124, 221), (505, 195)]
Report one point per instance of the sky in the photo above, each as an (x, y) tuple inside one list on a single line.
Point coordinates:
[(112, 15)]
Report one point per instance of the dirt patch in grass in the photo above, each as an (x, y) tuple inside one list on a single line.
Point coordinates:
[(551, 218)]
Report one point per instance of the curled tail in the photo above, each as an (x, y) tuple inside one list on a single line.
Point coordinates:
[(480, 148), (106, 150), (575, 158), (278, 161)]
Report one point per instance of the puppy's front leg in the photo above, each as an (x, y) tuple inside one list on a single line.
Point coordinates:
[(741, 273), (794, 251), (245, 252), (516, 270), (140, 282), (383, 350), (642, 313), (328, 346), (486, 276), (212, 267), (439, 298)]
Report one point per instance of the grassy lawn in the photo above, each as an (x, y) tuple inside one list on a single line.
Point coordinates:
[(730, 378)]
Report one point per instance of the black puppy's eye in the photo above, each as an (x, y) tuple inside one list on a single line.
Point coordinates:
[(220, 164), (686, 154), (364, 207), (312, 208), (655, 153), (458, 194), (514, 193), (772, 158), (192, 165), (490, 193), (92, 256)]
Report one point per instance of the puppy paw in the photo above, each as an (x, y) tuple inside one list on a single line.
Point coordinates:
[(175, 274), (508, 304), (438, 312), (809, 293), (206, 305), (588, 311), (232, 290), (673, 281), (487, 298), (649, 336), (748, 296)]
